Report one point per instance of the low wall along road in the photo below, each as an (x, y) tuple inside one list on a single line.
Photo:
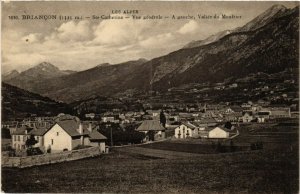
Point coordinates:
[(28, 161)]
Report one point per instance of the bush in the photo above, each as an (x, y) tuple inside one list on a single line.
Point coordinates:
[(33, 151), (11, 151)]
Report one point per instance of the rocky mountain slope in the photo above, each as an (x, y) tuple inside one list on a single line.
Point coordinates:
[(10, 75), (270, 48), (34, 76), (261, 20)]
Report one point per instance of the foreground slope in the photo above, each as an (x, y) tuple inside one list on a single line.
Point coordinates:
[(19, 103)]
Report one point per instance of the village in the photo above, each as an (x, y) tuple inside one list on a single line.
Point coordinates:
[(103, 101), (65, 132)]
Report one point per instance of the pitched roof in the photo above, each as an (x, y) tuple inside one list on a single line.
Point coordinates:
[(236, 108), (21, 130), (189, 125), (263, 113), (150, 125), (71, 126), (38, 131), (207, 120), (248, 112), (95, 135), (222, 128), (234, 114)]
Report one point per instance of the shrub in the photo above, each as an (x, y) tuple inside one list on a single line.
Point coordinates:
[(33, 151)]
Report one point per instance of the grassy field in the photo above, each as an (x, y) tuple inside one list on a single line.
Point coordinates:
[(274, 136), (206, 148), (133, 173), (175, 167)]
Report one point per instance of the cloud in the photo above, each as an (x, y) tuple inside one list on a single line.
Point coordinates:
[(82, 45), (119, 32), (72, 32), (189, 28), (158, 40), (32, 38)]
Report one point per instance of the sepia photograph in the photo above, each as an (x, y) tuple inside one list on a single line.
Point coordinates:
[(150, 97)]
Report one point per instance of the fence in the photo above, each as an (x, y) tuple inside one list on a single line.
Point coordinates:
[(28, 161)]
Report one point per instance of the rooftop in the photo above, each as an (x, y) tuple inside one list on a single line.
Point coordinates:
[(150, 125)]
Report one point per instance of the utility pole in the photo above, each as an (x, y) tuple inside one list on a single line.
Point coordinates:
[(111, 138)]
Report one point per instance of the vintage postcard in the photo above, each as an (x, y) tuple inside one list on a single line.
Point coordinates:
[(150, 97)]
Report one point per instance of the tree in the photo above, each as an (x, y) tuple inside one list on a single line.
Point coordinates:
[(5, 133), (151, 135), (228, 125), (30, 150), (30, 142), (163, 119)]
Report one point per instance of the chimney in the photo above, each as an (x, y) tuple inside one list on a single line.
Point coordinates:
[(90, 127), (80, 129)]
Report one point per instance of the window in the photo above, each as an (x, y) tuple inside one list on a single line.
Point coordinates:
[(51, 141), (18, 137), (37, 138), (15, 138), (57, 133)]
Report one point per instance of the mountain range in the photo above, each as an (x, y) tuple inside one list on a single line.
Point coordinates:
[(261, 20), (269, 43)]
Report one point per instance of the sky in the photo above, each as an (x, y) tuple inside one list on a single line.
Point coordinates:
[(84, 43)]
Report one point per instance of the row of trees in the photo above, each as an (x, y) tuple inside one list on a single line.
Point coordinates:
[(117, 135)]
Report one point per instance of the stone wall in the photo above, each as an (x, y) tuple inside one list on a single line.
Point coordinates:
[(28, 161)]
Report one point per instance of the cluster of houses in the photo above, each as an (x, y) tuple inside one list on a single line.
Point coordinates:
[(63, 134), (200, 130), (66, 132), (207, 128), (247, 112)]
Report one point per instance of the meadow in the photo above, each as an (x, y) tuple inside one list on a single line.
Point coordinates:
[(119, 172), (174, 167)]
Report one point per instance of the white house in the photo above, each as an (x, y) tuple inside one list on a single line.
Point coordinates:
[(68, 134), (186, 130), (263, 116), (218, 132), (63, 135), (247, 116), (19, 137)]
